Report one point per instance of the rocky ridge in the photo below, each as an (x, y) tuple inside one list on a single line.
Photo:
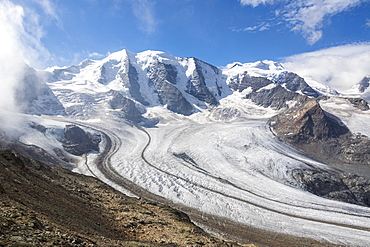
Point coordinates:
[(320, 134)]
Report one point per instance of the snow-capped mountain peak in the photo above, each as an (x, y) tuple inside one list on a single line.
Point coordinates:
[(265, 68)]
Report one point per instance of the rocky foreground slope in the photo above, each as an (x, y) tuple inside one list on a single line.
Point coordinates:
[(49, 206)]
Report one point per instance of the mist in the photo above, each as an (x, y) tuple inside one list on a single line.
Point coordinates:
[(20, 45), (338, 67)]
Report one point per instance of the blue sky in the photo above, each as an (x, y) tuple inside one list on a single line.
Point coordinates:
[(65, 32)]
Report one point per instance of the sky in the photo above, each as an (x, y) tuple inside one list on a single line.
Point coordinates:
[(64, 32)]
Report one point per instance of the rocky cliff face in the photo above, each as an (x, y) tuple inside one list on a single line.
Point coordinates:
[(247, 81), (306, 123), (275, 96), (288, 90), (336, 186), (163, 77), (197, 87), (295, 83), (359, 103), (127, 108), (130, 80), (363, 84), (320, 134)]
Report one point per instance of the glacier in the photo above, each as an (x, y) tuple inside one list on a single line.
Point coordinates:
[(199, 144)]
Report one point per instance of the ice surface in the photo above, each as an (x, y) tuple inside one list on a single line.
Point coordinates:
[(239, 171)]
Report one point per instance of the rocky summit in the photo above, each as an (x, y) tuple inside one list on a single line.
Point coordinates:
[(320, 134)]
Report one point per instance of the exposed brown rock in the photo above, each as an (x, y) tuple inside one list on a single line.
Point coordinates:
[(337, 186), (320, 134), (306, 123), (324, 137), (79, 142), (359, 103)]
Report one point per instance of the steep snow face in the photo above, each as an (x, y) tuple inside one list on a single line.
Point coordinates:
[(150, 78), (153, 78)]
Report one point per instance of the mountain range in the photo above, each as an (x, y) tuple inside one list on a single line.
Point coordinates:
[(245, 142)]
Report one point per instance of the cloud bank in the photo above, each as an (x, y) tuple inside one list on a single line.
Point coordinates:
[(20, 43), (338, 67), (306, 16)]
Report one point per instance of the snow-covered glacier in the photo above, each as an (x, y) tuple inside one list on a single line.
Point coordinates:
[(198, 142)]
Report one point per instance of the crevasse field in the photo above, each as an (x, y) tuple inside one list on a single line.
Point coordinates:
[(236, 170)]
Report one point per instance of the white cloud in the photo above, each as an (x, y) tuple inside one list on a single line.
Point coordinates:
[(338, 67), (21, 34), (255, 3), (367, 22), (11, 28), (260, 27), (48, 7), (96, 55), (307, 16), (144, 12)]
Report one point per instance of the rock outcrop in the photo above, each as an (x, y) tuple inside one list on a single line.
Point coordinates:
[(197, 87), (320, 134), (127, 107), (79, 142), (247, 81), (306, 123), (363, 84), (359, 103), (295, 83), (336, 186), (275, 96), (131, 81), (168, 94)]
